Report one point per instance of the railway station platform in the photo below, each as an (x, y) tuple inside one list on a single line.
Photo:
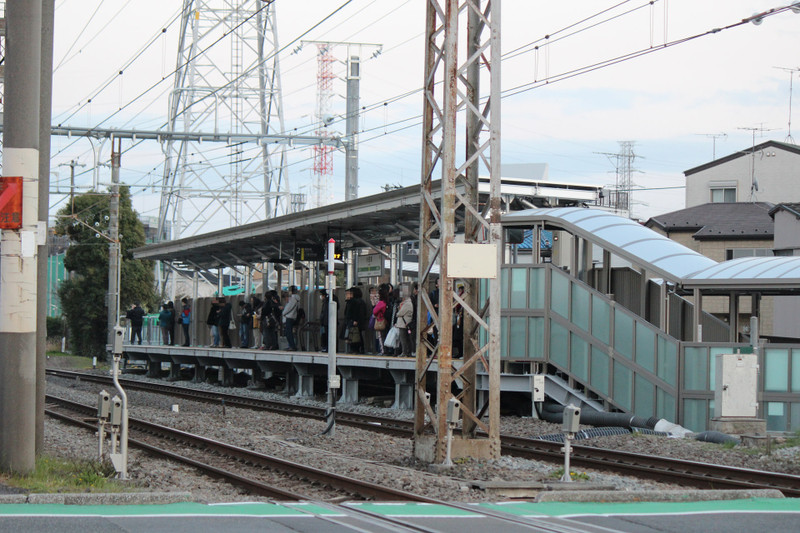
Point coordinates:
[(301, 368), (643, 517)]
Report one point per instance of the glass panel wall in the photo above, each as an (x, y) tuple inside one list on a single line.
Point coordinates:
[(559, 344), (601, 319), (623, 386), (504, 275), (623, 333), (516, 338), (600, 370), (580, 307), (559, 294), (695, 414), (579, 362), (519, 299), (666, 405), (776, 416), (644, 396), (795, 371), (776, 370), (645, 347), (536, 288), (536, 338), (695, 368), (668, 361)]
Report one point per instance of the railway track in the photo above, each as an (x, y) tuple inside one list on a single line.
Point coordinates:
[(665, 469), (156, 438)]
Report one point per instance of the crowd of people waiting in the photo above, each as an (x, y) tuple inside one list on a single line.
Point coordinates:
[(384, 323)]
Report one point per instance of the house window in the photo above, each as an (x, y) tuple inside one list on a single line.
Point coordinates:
[(736, 253), (723, 195)]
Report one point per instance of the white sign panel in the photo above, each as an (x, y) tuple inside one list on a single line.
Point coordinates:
[(370, 266), (471, 260)]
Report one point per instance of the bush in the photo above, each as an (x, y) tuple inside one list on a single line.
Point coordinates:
[(55, 327)]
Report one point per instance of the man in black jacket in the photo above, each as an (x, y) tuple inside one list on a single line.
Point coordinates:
[(224, 320), (136, 315)]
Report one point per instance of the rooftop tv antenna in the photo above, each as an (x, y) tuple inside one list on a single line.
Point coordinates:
[(791, 71), (714, 137)]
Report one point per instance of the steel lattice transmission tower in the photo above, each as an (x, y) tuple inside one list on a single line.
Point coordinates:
[(454, 100), (227, 81)]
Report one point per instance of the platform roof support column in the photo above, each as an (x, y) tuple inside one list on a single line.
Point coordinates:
[(733, 316), (460, 93), (697, 330), (605, 283)]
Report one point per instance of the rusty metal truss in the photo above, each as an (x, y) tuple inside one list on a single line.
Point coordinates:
[(457, 64)]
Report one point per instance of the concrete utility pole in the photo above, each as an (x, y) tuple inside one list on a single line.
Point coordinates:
[(45, 112), (351, 131), (18, 263), (114, 257)]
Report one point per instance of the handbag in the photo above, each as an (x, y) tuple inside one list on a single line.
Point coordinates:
[(392, 338), (371, 324), (232, 325), (354, 336), (380, 324)]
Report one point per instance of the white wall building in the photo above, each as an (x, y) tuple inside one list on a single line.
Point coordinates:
[(769, 172)]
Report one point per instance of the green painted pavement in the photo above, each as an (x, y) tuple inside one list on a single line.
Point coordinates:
[(786, 505), (775, 505), (171, 509)]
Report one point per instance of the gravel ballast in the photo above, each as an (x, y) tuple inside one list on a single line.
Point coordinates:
[(378, 458)]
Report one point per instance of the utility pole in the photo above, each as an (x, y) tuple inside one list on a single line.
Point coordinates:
[(18, 263), (45, 115), (114, 256), (72, 164)]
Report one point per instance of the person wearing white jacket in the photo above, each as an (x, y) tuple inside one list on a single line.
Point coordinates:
[(404, 317)]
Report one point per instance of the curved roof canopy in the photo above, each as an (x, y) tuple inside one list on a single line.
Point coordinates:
[(648, 249), (621, 236)]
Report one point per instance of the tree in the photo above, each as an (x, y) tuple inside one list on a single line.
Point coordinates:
[(83, 295)]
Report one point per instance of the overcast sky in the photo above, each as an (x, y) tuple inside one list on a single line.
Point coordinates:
[(668, 102)]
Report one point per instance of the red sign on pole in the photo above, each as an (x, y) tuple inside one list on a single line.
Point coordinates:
[(10, 202)]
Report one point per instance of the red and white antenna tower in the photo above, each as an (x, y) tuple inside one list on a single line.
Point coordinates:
[(323, 155)]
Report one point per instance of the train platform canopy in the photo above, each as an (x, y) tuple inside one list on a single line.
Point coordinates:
[(664, 257), (370, 221)]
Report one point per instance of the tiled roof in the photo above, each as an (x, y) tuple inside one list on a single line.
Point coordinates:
[(718, 221)]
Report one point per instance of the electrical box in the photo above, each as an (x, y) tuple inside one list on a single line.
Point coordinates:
[(103, 405), (119, 335), (736, 386), (572, 419), (116, 411), (453, 411), (537, 394)]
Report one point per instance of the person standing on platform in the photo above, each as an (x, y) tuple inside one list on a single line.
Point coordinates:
[(171, 307), (379, 312), (245, 323), (136, 315), (290, 315), (405, 315), (270, 320), (211, 322), (186, 319), (223, 321), (165, 322)]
